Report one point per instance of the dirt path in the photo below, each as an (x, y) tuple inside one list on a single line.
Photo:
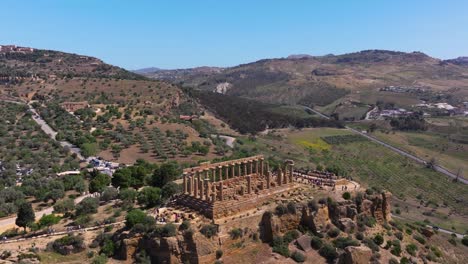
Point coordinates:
[(8, 223)]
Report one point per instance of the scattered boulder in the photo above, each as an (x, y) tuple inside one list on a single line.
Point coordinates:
[(356, 255), (304, 243)]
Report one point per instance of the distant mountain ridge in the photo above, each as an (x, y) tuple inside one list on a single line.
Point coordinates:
[(320, 80)]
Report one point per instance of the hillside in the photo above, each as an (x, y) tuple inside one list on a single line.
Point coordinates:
[(322, 80), (27, 62)]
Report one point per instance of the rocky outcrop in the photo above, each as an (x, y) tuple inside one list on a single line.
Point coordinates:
[(273, 225), (177, 249), (356, 255), (377, 206)]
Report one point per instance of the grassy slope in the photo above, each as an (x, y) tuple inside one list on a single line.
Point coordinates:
[(369, 163)]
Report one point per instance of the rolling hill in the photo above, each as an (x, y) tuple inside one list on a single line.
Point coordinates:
[(323, 80)]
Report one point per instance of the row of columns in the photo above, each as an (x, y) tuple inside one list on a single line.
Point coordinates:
[(200, 183)]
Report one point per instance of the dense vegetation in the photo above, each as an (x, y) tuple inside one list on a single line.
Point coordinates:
[(29, 157), (249, 116)]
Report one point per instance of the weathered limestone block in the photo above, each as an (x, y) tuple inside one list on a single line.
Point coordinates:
[(356, 255), (303, 243), (347, 225)]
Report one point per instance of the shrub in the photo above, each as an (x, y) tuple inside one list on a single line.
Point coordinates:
[(371, 244), (219, 253), (465, 241), (185, 225), (346, 195), (168, 230), (378, 239), (420, 239), (393, 261), (316, 242), (290, 236), (396, 249), (343, 242), (298, 256), (411, 249), (399, 235), (88, 205), (452, 241), (333, 232), (281, 209), (404, 260), (279, 246), (359, 236), (48, 220), (328, 252), (209, 230), (235, 233), (100, 259), (68, 244), (135, 216)]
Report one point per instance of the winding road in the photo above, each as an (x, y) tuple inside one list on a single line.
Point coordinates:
[(397, 150)]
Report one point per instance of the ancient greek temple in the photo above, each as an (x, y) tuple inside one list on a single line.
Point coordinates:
[(225, 188)]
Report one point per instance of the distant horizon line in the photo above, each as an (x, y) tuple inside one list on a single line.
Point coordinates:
[(234, 65)]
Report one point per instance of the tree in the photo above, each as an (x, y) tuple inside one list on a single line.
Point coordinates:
[(99, 182), (149, 196), (88, 205), (135, 216), (109, 193), (169, 189), (64, 206), (122, 178), (128, 196), (48, 220), (56, 190), (25, 216), (165, 173)]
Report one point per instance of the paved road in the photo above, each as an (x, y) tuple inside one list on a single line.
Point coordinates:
[(52, 133), (433, 227), (397, 150)]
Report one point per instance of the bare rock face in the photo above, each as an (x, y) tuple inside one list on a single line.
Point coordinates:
[(128, 248), (378, 206), (347, 225), (356, 255), (322, 218), (273, 225)]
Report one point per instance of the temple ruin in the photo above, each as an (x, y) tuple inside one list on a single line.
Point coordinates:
[(226, 188)]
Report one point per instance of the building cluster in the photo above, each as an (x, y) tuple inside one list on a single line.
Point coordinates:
[(388, 113), (15, 49), (458, 110), (405, 89), (103, 166)]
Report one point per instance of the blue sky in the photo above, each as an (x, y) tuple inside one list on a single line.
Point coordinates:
[(179, 34)]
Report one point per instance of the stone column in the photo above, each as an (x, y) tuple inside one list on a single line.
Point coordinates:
[(233, 170), (261, 167), (201, 190), (245, 168), (221, 191), (226, 172), (213, 173), (213, 193), (268, 180), (240, 168), (208, 188), (285, 176), (220, 171), (195, 184), (291, 172), (251, 166), (256, 166), (185, 182), (249, 184), (280, 177)]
